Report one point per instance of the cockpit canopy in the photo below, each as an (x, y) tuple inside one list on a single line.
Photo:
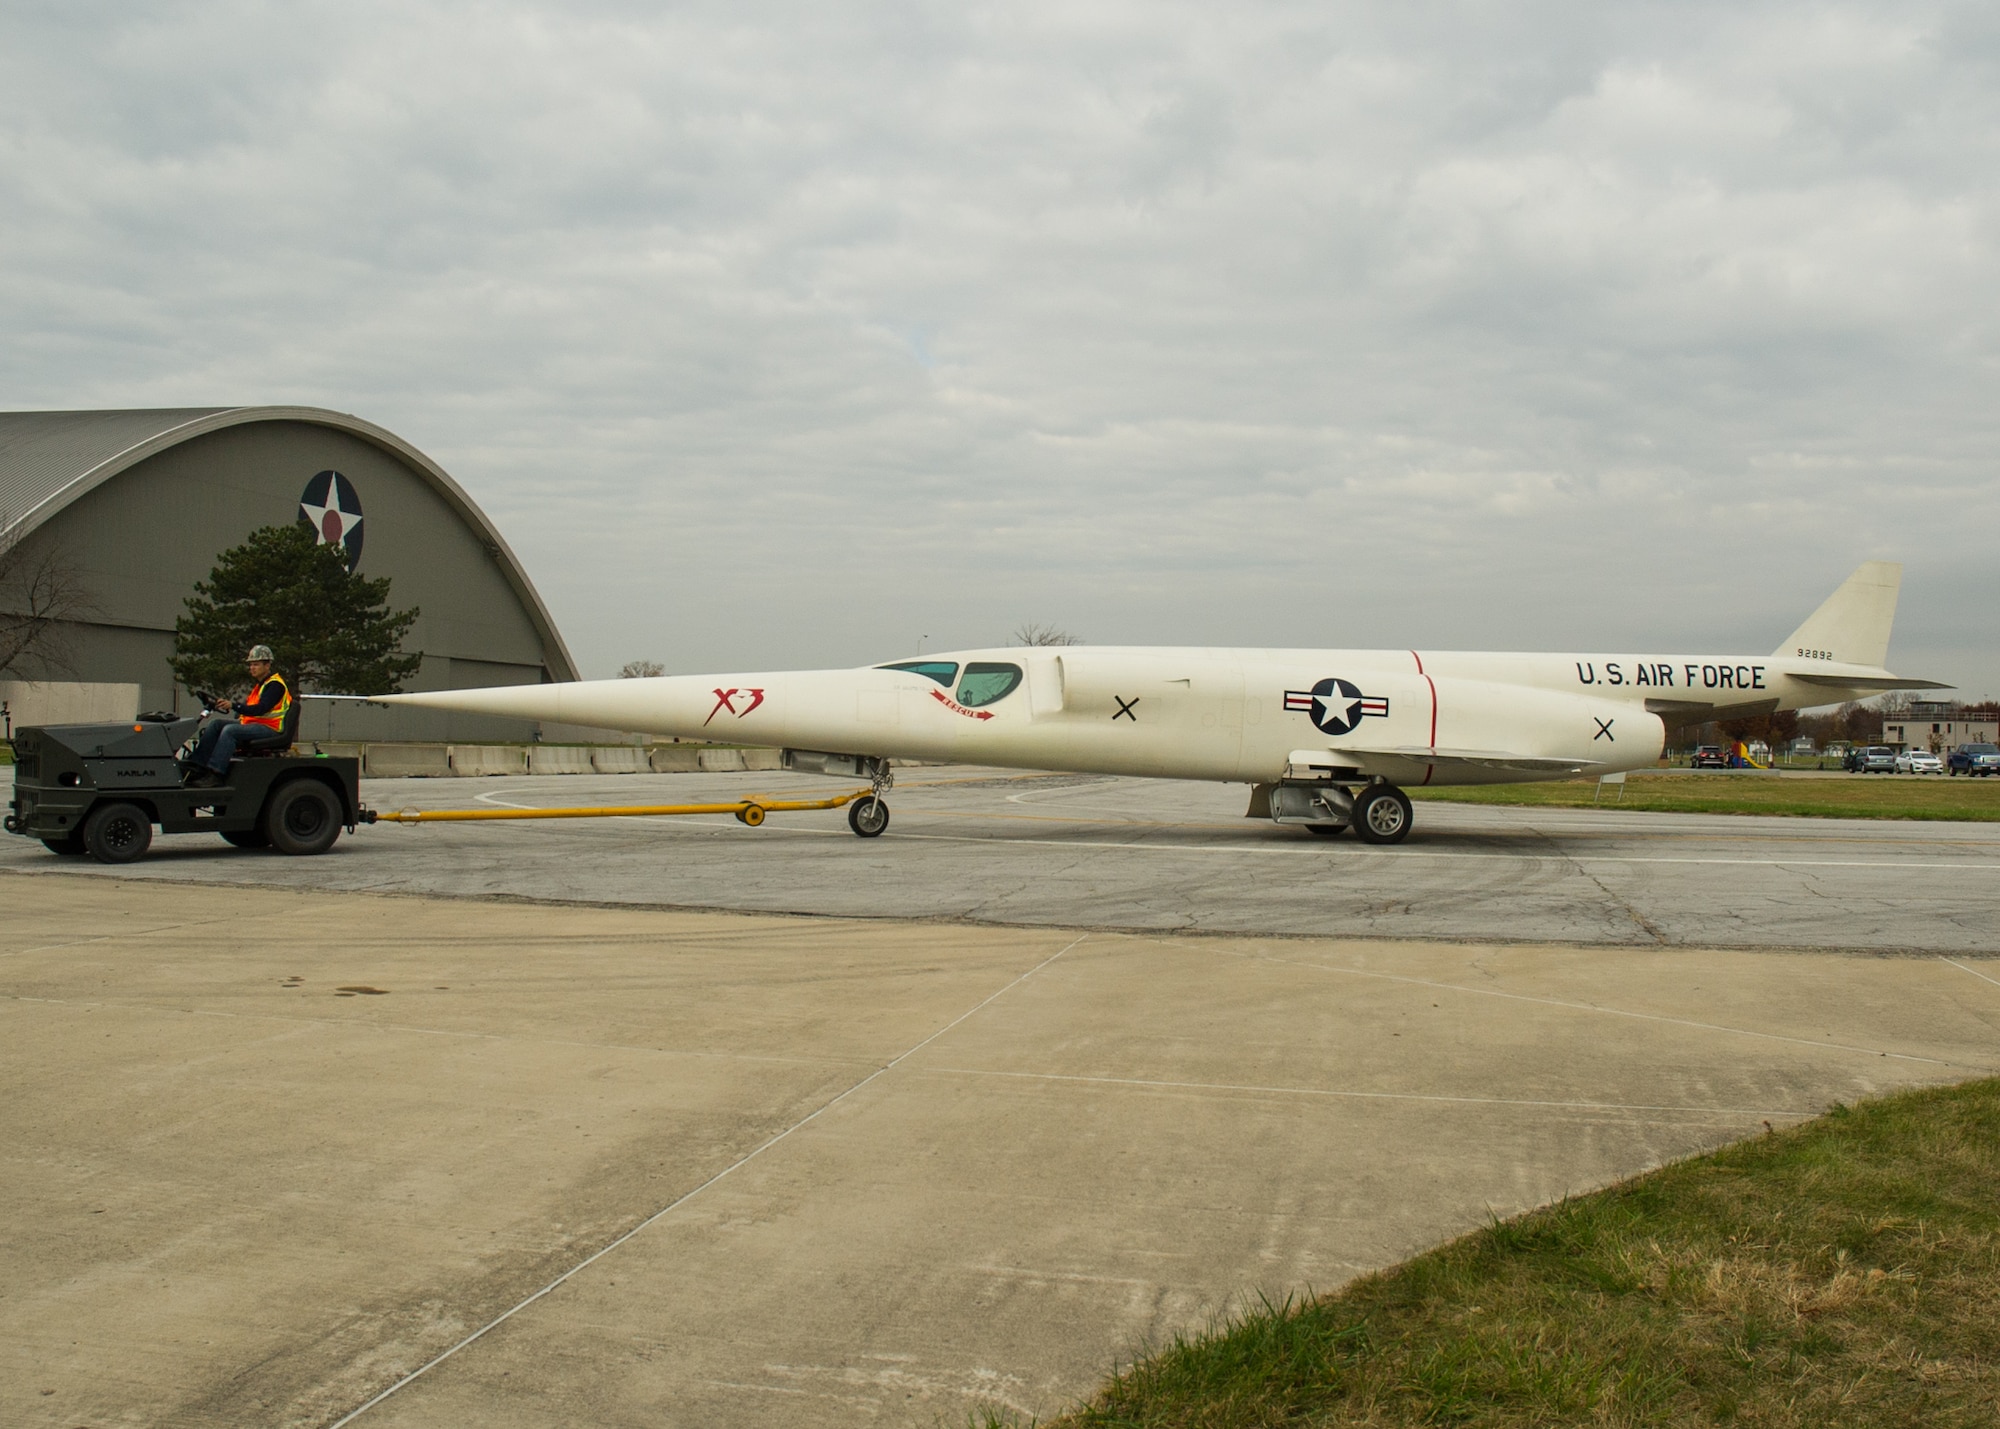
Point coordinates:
[(983, 682)]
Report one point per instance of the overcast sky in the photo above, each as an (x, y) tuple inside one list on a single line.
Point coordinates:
[(790, 335)]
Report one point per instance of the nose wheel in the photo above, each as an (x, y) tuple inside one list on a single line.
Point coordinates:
[(868, 816)]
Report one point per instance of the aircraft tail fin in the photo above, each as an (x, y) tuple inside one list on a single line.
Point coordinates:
[(1853, 625)]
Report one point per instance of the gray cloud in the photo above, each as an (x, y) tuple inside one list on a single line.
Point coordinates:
[(789, 336)]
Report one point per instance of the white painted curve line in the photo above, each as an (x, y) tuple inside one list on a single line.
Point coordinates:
[(1964, 969), (495, 799), (1040, 796), (675, 1205)]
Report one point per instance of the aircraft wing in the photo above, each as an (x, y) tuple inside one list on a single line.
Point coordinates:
[(1871, 682), (1470, 758)]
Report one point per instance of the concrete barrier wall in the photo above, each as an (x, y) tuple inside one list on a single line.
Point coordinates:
[(67, 702), (396, 760), (476, 761), (618, 759), (559, 759), (406, 761)]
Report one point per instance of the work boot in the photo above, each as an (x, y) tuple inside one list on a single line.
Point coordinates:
[(201, 777)]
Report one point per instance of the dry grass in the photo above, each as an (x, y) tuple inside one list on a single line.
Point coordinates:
[(1845, 1272)]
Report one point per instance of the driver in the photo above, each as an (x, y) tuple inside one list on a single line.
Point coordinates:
[(260, 719)]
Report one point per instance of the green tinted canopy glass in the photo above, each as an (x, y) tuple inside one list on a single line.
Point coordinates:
[(986, 684), (940, 670)]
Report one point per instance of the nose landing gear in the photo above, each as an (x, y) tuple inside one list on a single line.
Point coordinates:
[(868, 816)]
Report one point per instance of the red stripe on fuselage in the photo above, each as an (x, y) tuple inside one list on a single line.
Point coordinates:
[(1429, 769)]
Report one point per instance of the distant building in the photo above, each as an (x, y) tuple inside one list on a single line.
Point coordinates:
[(1943, 725), (143, 502)]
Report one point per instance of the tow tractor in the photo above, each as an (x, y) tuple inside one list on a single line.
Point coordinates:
[(100, 789)]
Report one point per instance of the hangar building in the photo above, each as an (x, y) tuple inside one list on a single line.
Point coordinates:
[(141, 503)]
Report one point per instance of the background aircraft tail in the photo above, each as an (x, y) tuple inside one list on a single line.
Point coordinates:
[(1853, 625)]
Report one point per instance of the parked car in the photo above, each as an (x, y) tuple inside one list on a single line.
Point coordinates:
[(1918, 761), (1980, 759), (1871, 759), (1709, 756)]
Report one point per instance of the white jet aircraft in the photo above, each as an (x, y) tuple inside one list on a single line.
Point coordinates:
[(1324, 737)]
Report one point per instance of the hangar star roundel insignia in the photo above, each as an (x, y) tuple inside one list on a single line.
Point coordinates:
[(1335, 706), (332, 507)]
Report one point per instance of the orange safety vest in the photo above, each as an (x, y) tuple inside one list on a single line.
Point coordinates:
[(275, 717)]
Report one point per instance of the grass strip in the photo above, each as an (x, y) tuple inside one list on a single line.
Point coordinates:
[(1854, 797), (1842, 1272)]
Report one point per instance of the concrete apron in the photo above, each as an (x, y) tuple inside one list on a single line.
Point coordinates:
[(871, 1173)]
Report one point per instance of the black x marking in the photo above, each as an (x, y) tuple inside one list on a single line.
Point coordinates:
[(1603, 730), (1125, 708)]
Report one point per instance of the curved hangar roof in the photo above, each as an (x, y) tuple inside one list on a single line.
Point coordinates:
[(49, 460)]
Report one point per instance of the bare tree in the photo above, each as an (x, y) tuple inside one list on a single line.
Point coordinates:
[(42, 597), (1033, 632), (641, 669)]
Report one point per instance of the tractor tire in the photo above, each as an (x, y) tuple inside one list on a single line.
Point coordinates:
[(117, 833), (302, 817)]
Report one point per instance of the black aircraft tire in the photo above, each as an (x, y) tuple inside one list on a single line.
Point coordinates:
[(117, 833), (1326, 831), (868, 817), (303, 817), (247, 838), (1382, 814), (69, 845)]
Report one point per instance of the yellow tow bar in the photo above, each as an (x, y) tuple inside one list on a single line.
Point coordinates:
[(748, 811)]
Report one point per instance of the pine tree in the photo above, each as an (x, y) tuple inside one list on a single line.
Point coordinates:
[(330, 630)]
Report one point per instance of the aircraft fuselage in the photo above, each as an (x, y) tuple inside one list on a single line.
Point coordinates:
[(1195, 713)]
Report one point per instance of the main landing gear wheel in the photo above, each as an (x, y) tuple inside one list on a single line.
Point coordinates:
[(1382, 814), (117, 833), (868, 816), (302, 817)]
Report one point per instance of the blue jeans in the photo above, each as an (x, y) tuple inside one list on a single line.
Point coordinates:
[(221, 738)]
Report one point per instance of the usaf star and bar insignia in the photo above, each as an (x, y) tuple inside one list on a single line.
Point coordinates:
[(1335, 706)]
